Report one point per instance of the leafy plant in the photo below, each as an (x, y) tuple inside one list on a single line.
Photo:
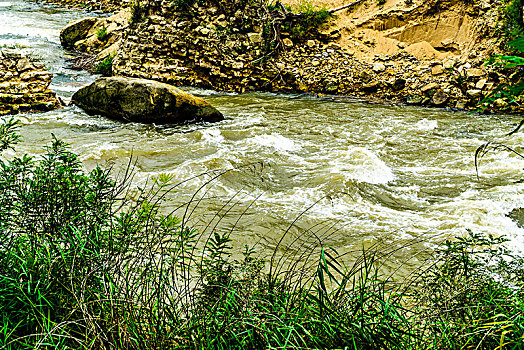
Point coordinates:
[(138, 12), (311, 18), (512, 91), (102, 34), (88, 262), (105, 67)]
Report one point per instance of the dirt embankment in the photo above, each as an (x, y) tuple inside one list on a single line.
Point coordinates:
[(411, 51)]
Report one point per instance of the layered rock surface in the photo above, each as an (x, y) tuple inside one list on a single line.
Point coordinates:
[(144, 101), (416, 52), (24, 85)]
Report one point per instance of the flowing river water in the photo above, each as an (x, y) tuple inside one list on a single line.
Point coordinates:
[(351, 172)]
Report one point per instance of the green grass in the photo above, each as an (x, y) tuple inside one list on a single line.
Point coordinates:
[(102, 34), (89, 262), (105, 67)]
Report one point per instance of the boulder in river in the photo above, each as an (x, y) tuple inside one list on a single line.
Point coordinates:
[(76, 30), (144, 101)]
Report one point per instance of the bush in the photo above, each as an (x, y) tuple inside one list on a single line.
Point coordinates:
[(105, 67), (512, 91), (138, 12), (102, 34), (308, 23)]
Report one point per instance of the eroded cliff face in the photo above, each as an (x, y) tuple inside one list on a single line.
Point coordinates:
[(417, 52), (24, 85)]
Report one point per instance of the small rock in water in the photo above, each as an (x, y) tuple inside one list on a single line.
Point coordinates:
[(439, 98)]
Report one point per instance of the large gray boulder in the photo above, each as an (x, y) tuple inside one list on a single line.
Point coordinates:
[(144, 101), (76, 30)]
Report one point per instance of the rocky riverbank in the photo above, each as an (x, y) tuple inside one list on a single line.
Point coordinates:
[(24, 85), (411, 54)]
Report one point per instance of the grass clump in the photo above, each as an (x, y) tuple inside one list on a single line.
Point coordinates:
[(102, 34), (105, 67), (308, 22), (86, 262), (139, 12)]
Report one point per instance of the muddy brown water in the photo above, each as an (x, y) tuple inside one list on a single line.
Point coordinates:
[(350, 173)]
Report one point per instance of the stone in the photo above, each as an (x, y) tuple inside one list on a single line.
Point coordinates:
[(474, 93), (500, 103), (24, 64), (481, 84), (11, 54), (474, 72), (398, 84), (255, 37), (311, 43), (145, 101), (461, 104), (378, 67), (429, 87), (76, 30), (287, 42), (439, 98), (448, 64), (437, 70), (414, 99)]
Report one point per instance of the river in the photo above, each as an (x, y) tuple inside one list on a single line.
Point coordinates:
[(350, 172)]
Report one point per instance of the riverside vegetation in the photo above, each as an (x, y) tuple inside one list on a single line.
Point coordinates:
[(87, 261)]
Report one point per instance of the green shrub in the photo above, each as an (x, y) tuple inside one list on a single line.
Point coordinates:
[(105, 67), (512, 91), (510, 14), (308, 23), (102, 34), (138, 12)]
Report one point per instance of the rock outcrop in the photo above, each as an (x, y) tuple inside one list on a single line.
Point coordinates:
[(144, 101), (24, 85), (379, 54)]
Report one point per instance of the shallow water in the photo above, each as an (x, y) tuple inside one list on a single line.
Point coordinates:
[(351, 172)]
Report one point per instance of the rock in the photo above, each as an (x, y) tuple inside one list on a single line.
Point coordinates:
[(76, 30), (448, 64), (255, 37), (461, 104), (481, 84), (11, 54), (371, 87), (142, 100), (500, 103), (24, 64), (287, 43), (429, 87), (414, 99), (437, 70), (439, 98), (378, 67), (24, 85), (474, 72), (398, 84), (474, 93)]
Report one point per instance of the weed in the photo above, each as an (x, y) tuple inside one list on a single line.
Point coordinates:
[(105, 67), (102, 34), (138, 12)]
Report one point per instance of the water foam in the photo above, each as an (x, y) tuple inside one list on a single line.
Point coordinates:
[(361, 164)]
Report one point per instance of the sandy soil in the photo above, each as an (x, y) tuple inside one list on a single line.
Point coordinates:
[(423, 28)]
